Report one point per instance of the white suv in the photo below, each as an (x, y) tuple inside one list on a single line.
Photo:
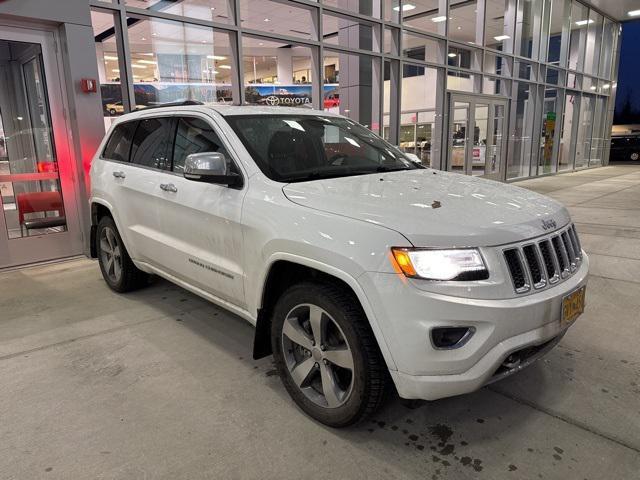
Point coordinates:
[(357, 266)]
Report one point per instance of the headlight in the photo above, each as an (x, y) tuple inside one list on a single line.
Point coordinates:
[(464, 264)]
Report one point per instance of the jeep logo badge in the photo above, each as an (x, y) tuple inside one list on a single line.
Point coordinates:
[(549, 224)]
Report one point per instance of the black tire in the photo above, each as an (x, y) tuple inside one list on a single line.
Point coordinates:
[(130, 278), (369, 378)]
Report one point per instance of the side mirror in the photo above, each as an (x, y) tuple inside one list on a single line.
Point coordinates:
[(210, 167), (413, 157)]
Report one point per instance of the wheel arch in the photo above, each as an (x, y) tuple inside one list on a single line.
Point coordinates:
[(284, 270)]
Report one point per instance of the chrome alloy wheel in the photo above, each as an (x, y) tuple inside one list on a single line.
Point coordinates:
[(111, 254), (317, 355)]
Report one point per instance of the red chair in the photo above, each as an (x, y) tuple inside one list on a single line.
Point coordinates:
[(34, 202)]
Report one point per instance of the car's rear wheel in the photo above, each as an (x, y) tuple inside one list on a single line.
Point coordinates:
[(326, 354), (116, 266)]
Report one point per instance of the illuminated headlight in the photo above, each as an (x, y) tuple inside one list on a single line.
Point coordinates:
[(463, 264)]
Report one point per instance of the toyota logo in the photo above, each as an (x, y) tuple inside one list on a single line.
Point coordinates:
[(549, 224), (272, 100)]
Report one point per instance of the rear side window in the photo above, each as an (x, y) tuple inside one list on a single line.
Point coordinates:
[(194, 136), (152, 143), (119, 143)]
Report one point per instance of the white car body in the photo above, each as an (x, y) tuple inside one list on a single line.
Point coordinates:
[(221, 243)]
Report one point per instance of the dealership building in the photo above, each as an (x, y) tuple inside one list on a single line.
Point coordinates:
[(505, 89)]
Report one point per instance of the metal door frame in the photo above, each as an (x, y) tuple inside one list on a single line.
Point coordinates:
[(472, 100), (37, 248)]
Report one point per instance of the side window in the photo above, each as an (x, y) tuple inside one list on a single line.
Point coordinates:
[(196, 136), (119, 143), (152, 143)]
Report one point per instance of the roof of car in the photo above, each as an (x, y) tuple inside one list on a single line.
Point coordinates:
[(229, 110)]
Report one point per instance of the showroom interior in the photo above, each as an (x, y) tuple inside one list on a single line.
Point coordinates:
[(160, 383)]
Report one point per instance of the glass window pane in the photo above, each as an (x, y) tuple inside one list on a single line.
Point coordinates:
[(276, 73), (268, 16), (392, 11), (418, 47), (495, 86), (462, 81), (528, 26), (548, 148), (119, 144), (499, 24), (598, 137), (213, 10), (348, 33), (594, 43), (519, 160), (609, 45), (108, 65), (583, 134), (557, 17), (363, 7), (426, 15), (418, 107), (464, 57), (463, 22), (152, 143), (355, 89), (174, 61), (565, 155), (497, 64), (579, 28), (194, 135)]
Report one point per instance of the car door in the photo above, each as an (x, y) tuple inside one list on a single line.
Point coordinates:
[(137, 187), (200, 222)]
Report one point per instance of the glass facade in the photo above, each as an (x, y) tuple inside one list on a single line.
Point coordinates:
[(540, 73)]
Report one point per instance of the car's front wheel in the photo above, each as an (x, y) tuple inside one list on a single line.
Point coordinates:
[(116, 266), (326, 354)]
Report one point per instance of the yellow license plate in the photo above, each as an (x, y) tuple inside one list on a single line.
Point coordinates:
[(572, 306)]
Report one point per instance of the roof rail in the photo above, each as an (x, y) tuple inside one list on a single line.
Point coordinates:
[(175, 104)]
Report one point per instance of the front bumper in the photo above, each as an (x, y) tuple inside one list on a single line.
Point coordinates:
[(407, 314)]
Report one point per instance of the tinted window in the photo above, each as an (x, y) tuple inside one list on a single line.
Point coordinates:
[(152, 143), (120, 142), (194, 136)]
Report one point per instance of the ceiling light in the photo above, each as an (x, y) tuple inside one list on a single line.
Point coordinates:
[(441, 18), (110, 57), (213, 8), (261, 44), (143, 39), (138, 66), (592, 88), (148, 62), (266, 20), (115, 70), (405, 8), (634, 13), (500, 38), (154, 34), (216, 57), (459, 28), (453, 55), (606, 86), (225, 67), (580, 23)]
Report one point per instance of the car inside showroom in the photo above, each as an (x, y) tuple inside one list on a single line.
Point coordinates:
[(353, 238)]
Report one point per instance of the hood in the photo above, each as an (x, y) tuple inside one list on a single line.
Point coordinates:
[(432, 208)]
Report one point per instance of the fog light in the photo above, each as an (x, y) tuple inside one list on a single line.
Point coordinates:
[(447, 338)]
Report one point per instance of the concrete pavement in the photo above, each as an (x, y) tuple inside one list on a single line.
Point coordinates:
[(161, 384)]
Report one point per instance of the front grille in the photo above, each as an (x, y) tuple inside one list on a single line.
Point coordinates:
[(544, 261)]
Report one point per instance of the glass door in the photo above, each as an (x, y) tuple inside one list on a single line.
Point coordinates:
[(39, 219), (477, 127)]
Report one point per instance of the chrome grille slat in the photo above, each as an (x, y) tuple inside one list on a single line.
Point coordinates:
[(543, 262)]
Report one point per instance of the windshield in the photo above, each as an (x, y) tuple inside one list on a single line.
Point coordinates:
[(296, 148)]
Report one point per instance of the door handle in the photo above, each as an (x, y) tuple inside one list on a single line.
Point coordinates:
[(119, 174), (168, 187)]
